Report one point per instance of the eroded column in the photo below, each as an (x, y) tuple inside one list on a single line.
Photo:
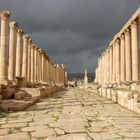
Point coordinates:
[(114, 63), (19, 53), (135, 55), (32, 62), (4, 47), (29, 61), (117, 61), (25, 56), (12, 50), (111, 63), (122, 45), (127, 55)]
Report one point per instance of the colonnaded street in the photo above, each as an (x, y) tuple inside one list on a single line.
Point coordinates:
[(72, 114)]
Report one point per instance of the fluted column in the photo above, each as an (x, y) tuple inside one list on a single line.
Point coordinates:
[(32, 62), (19, 53), (29, 61), (12, 50), (118, 61), (122, 45), (135, 51), (128, 55), (4, 47), (25, 56)]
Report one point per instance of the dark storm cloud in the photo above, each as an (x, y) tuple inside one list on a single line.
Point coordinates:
[(73, 32)]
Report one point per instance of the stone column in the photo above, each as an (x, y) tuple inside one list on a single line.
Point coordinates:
[(118, 61), (135, 51), (66, 78), (4, 47), (19, 53), (35, 64), (104, 70), (42, 66), (12, 50), (101, 70), (108, 66), (111, 63), (105, 61), (25, 56), (97, 78), (114, 64), (122, 45), (39, 65), (128, 55), (32, 62)]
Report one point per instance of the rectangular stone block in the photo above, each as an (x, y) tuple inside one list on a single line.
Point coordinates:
[(104, 92), (109, 93), (114, 96)]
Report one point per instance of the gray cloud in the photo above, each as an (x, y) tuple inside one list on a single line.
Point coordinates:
[(73, 32)]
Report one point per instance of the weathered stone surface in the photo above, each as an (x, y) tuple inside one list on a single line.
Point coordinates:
[(68, 115), (21, 95), (7, 93)]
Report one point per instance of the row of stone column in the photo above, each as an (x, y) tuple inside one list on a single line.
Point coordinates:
[(20, 58), (120, 61)]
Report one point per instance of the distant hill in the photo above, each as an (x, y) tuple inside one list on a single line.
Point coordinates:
[(80, 76)]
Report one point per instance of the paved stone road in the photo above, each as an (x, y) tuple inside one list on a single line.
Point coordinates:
[(73, 114)]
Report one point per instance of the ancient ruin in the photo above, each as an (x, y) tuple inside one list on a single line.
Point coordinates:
[(117, 72), (107, 108), (25, 69)]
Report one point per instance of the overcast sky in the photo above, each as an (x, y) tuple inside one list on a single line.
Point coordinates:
[(74, 32)]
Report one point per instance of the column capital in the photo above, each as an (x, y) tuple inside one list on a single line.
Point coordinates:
[(134, 23), (30, 41), (127, 31), (117, 41), (13, 24), (20, 32), (36, 47), (5, 15), (33, 46), (122, 36), (26, 36)]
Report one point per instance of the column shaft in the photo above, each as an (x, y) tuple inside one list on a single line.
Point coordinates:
[(32, 62), (19, 53), (12, 50), (128, 55), (135, 55), (122, 44), (117, 61), (4, 47), (25, 56)]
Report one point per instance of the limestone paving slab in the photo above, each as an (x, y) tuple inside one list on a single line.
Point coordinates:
[(73, 114)]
